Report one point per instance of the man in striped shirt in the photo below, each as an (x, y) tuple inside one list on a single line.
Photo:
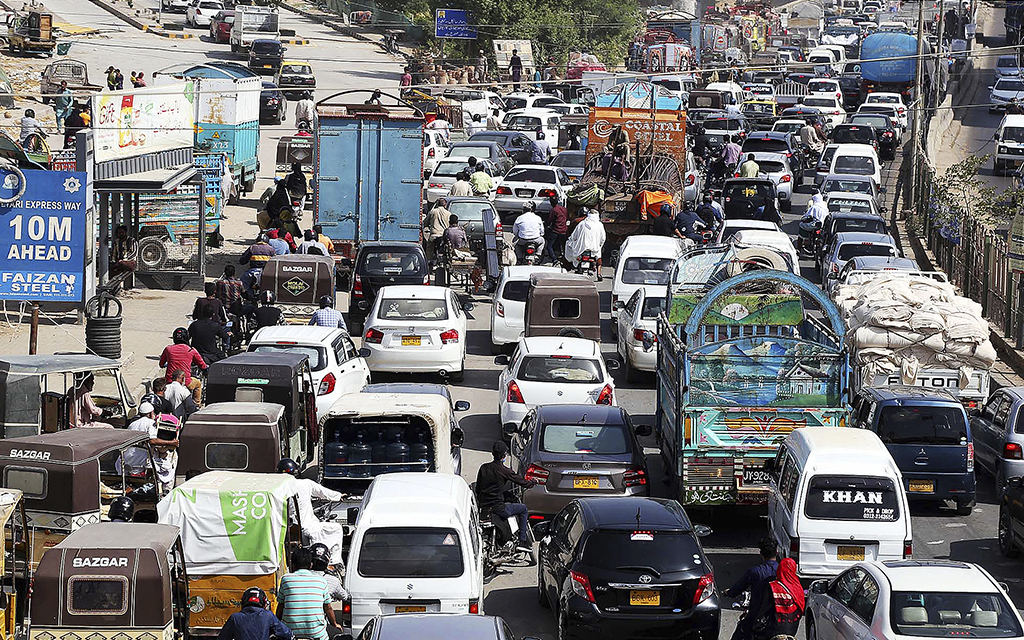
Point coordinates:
[(304, 601)]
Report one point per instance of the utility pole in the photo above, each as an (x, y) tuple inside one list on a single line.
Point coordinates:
[(915, 153), (942, 28)]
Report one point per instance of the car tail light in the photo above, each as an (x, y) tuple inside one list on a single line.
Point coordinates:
[(605, 397), (426, 279), (639, 334), (449, 336), (789, 154), (690, 179), (513, 394), (497, 228), (536, 473), (430, 152), (373, 336), (357, 287), (705, 588), (1012, 451), (908, 548), (499, 309), (326, 385), (736, 175), (504, 191), (474, 606), (581, 585), (435, 185), (635, 477), (786, 178), (836, 112), (970, 456), (546, 193), (794, 549)]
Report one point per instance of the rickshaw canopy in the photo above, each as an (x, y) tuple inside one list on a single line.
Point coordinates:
[(299, 279), (239, 436)]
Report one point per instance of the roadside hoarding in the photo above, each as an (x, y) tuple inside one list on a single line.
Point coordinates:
[(454, 23), (43, 236), (133, 123)]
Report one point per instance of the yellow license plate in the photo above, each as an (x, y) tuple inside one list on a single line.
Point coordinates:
[(411, 609), (644, 598), (922, 486), (410, 341), (268, 66), (846, 552), (584, 482)]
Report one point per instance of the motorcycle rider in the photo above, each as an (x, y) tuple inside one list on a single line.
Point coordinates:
[(755, 579), (122, 508), (750, 168), (540, 150), (208, 336), (254, 621), (557, 229), (328, 533), (589, 235), (492, 480), (528, 229), (731, 155), (689, 225), (321, 564), (480, 180), (812, 220), (708, 214), (267, 315)]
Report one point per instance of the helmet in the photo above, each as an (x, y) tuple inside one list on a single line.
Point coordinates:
[(121, 509), (152, 399), (321, 556), (326, 301), (180, 335), (529, 206), (540, 134), (287, 465), (666, 209), (267, 297), (254, 597)]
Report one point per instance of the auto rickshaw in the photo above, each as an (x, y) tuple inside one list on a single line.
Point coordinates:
[(281, 378), (292, 149), (37, 393), (112, 580), (14, 569), (234, 436), (563, 304), (298, 282), (235, 535), (69, 478)]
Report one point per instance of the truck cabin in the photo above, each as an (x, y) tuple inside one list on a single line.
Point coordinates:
[(46, 394), (113, 577), (233, 436)]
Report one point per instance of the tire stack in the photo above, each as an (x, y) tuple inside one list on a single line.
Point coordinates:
[(103, 328)]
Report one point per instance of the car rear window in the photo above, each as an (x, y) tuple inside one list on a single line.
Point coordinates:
[(922, 425), (465, 151), (516, 290), (295, 68), (511, 104), (410, 552), (412, 309), (392, 263), (770, 145), (640, 270), (487, 137), (853, 249), (849, 206), (229, 456), (849, 186), (819, 86), (98, 595), (883, 99), (856, 165), (950, 614), (531, 175), (863, 225), (524, 123), (788, 127), (448, 169), (864, 498), (560, 369), (317, 355), (771, 166), (266, 47), (820, 102), (855, 135), (627, 550), (470, 211), (722, 124), (569, 160), (652, 307), (880, 122), (602, 439)]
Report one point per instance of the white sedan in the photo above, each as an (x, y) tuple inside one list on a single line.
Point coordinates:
[(551, 370), (530, 182), (416, 329), (894, 100), (638, 328), (200, 12), (776, 167), (828, 105)]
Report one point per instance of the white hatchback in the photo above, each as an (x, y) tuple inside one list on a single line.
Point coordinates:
[(894, 100), (829, 106), (416, 329), (638, 329), (643, 261), (858, 160), (551, 370), (334, 361), (508, 312), (440, 181), (200, 12)]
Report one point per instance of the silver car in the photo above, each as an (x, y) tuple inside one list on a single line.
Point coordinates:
[(441, 179), (999, 435), (848, 245), (1003, 91), (530, 183), (775, 166)]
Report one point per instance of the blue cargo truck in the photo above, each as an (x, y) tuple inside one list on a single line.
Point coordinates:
[(889, 64), (368, 171)]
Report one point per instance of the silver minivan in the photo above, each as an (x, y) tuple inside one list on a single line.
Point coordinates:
[(999, 435)]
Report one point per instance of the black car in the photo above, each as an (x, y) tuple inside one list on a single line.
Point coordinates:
[(885, 129), (1011, 518), (273, 105), (382, 264), (751, 199), (627, 568), (266, 56), (801, 77), (849, 83), (854, 133), (695, 116), (778, 142), (472, 211), (515, 143), (492, 152)]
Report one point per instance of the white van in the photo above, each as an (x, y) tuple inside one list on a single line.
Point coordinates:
[(836, 499), (825, 55), (733, 94), (415, 548), (1009, 137), (643, 260)]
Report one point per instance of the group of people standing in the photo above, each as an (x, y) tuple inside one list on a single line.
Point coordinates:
[(115, 79)]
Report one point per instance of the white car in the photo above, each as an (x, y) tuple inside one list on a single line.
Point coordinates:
[(693, 185), (858, 160), (552, 370), (839, 202), (643, 260), (530, 100), (731, 227), (530, 182), (441, 179), (200, 12), (1003, 91), (1007, 66), (637, 331), (435, 147), (829, 106), (416, 329), (508, 312), (892, 100), (179, 6), (776, 167), (903, 599), (777, 241), (529, 121), (826, 86), (334, 361)]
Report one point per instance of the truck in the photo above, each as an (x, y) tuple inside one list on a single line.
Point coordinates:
[(252, 23), (367, 172), (74, 72), (740, 365), (889, 64), (31, 32)]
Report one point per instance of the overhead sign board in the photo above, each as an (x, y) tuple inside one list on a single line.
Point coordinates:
[(43, 235), (133, 123), (454, 23)]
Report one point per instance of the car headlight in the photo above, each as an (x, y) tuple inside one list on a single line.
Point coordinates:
[(996, 98), (1003, 149)]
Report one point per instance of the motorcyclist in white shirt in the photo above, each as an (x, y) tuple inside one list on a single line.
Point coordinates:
[(328, 533), (528, 228), (589, 235), (812, 220)]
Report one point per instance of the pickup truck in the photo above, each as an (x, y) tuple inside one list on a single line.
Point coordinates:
[(739, 367), (76, 74)]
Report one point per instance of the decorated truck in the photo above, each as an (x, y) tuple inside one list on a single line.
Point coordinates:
[(739, 367)]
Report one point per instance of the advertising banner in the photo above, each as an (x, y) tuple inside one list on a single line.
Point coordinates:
[(667, 129), (43, 235), (132, 123), (454, 23)]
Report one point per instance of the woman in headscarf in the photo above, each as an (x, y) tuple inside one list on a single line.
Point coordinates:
[(782, 606)]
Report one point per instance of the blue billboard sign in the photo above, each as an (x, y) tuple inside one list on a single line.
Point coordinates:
[(454, 23), (42, 235)]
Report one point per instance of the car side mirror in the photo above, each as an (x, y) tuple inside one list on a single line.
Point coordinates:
[(619, 304), (462, 405), (1013, 482), (364, 353), (509, 429), (351, 514), (612, 365), (819, 587), (701, 530), (468, 307), (643, 430), (458, 436), (995, 136), (502, 360), (541, 530)]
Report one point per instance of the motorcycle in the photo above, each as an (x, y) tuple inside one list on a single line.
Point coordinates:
[(498, 554), (808, 238), (587, 264), (531, 253)]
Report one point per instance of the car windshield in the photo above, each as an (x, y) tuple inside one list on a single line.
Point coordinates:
[(531, 175), (569, 160), (722, 124), (854, 135), (1007, 61), (849, 186), (872, 121), (412, 309), (410, 552), (639, 270), (652, 307), (629, 550), (317, 355), (295, 68), (820, 102), (469, 211), (560, 369), (1013, 134), (841, 205), (863, 225), (516, 290), (392, 263), (853, 249), (771, 145), (952, 614), (465, 151), (748, 191), (448, 169), (857, 165), (602, 439), (852, 498), (820, 86), (524, 123), (910, 424), (511, 104)]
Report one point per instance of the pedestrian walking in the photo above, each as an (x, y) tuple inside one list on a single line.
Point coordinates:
[(515, 68), (111, 78), (62, 105)]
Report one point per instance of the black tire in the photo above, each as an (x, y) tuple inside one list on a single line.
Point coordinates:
[(964, 509), (786, 205), (542, 596), (152, 253), (812, 633), (1005, 534), (497, 349), (570, 332)]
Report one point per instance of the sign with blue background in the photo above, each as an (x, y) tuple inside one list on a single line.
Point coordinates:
[(42, 236), (454, 23)]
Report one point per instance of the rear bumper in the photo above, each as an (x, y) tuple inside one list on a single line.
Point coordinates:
[(961, 487), (642, 360), (587, 621), (447, 358), (542, 502)]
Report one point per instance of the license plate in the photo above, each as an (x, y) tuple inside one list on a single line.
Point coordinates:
[(524, 193), (584, 482), (922, 486), (411, 341), (846, 552), (411, 609), (268, 66), (644, 598), (755, 476)]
